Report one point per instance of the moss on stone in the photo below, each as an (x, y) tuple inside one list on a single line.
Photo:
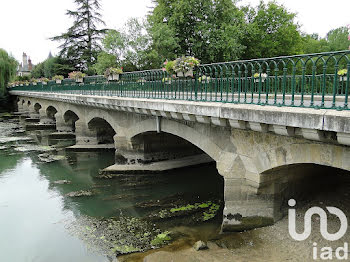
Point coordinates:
[(211, 213), (125, 249), (161, 239), (249, 223), (183, 208)]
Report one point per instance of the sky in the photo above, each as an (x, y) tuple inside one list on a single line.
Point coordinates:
[(26, 26)]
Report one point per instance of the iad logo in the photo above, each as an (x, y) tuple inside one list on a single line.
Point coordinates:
[(326, 252), (323, 222)]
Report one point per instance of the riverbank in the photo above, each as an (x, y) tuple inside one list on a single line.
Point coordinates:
[(272, 243)]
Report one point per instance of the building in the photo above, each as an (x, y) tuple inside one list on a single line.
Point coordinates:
[(26, 67)]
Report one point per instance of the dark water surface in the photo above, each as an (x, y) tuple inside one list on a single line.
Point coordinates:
[(35, 212)]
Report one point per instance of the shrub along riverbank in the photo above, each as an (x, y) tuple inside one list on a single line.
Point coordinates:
[(8, 67)]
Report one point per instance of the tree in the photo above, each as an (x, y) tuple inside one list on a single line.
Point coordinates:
[(338, 39), (104, 61), (8, 66), (81, 43), (209, 30), (129, 47), (335, 40), (314, 44), (271, 31), (52, 66)]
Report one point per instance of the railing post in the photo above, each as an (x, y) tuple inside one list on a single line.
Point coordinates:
[(335, 85), (267, 86), (293, 84), (324, 84), (284, 85), (347, 87), (276, 85), (260, 85), (302, 86)]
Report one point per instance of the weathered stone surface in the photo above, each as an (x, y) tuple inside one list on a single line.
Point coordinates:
[(200, 245)]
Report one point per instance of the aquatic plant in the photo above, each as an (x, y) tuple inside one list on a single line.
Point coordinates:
[(211, 213), (161, 239), (123, 235)]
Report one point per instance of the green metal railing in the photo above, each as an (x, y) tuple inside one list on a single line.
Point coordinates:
[(298, 81)]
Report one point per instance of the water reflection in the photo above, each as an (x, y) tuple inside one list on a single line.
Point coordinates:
[(32, 219)]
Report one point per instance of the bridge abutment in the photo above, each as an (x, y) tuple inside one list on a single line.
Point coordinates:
[(33, 113), (84, 136), (247, 205), (21, 107), (152, 147), (44, 118), (62, 125)]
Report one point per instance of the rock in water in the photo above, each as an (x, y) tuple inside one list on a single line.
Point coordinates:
[(62, 182), (80, 193), (200, 245)]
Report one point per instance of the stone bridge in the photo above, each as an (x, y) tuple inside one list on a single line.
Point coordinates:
[(254, 147)]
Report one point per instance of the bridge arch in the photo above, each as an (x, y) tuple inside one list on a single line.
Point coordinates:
[(101, 114), (185, 132), (37, 107), (103, 130), (330, 155), (51, 111), (70, 118)]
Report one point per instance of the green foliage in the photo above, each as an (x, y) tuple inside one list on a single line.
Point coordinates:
[(104, 61), (161, 239), (52, 66), (128, 48), (8, 67), (81, 41), (113, 70), (38, 70), (164, 43), (209, 30), (181, 64), (313, 44), (76, 75), (338, 39), (44, 79), (211, 209), (58, 77), (169, 67), (22, 78), (204, 78), (211, 213), (184, 208), (270, 32), (342, 72)]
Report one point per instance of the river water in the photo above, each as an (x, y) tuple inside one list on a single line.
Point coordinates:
[(40, 221)]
